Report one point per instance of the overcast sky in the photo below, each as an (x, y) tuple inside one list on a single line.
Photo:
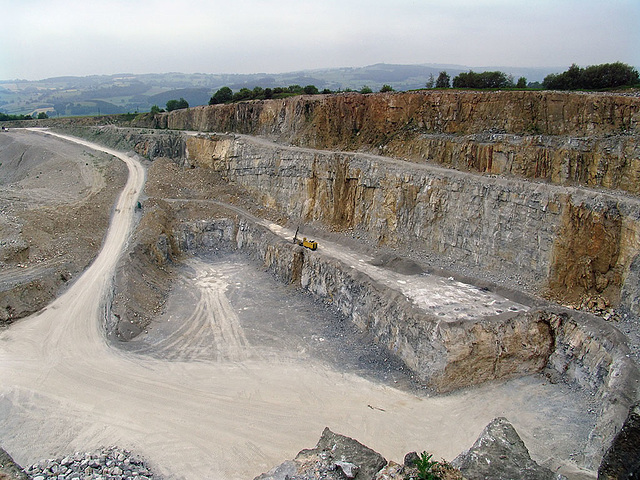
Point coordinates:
[(46, 38)]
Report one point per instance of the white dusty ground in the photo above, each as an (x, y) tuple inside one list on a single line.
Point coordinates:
[(236, 405)]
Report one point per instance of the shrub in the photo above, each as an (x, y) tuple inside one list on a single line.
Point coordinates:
[(223, 95), (177, 104), (594, 77), (425, 465)]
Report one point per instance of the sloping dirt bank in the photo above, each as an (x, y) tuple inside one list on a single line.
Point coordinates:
[(55, 202)]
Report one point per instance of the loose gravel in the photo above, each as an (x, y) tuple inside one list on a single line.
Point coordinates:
[(110, 463)]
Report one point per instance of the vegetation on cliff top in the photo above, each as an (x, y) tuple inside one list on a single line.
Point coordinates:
[(594, 77)]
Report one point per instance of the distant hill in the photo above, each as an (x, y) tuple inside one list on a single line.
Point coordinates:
[(122, 93)]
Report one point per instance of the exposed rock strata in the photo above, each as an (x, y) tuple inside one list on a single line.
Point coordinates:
[(568, 240), (492, 224), (564, 138)]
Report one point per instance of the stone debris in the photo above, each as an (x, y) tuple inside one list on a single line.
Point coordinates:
[(110, 463), (337, 457), (500, 454)]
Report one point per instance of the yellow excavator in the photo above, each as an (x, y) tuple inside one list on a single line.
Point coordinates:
[(310, 244)]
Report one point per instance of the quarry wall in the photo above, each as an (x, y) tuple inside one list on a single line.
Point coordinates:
[(571, 241), (565, 241), (541, 186), (556, 209), (558, 137)]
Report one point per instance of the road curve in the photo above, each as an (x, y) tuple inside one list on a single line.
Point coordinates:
[(63, 388)]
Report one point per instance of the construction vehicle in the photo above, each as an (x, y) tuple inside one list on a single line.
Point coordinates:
[(310, 244)]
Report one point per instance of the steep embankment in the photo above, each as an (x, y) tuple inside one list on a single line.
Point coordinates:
[(55, 202), (564, 138), (573, 240), (565, 239)]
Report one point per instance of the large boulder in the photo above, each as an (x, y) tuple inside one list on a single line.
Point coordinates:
[(335, 457), (500, 454)]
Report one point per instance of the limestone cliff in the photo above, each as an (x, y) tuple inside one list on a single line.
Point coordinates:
[(573, 241), (565, 138), (564, 240)]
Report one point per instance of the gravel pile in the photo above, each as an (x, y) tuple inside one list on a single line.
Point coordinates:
[(107, 464)]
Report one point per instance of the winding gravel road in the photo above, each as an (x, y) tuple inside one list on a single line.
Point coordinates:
[(64, 388)]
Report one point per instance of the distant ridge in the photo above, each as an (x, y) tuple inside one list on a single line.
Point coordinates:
[(127, 92)]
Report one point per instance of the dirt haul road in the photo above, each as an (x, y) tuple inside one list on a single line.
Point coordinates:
[(64, 388)]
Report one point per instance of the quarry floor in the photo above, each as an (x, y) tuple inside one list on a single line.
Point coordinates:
[(240, 373)]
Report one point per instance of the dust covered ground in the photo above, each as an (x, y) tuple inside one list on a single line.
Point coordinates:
[(238, 372), (56, 199)]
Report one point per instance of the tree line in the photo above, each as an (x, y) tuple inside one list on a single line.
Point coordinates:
[(595, 77), (226, 95)]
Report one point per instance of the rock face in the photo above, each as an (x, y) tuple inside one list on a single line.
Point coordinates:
[(565, 241), (562, 239), (334, 457), (630, 295), (500, 454), (564, 138)]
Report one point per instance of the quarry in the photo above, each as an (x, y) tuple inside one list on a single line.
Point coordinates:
[(478, 257)]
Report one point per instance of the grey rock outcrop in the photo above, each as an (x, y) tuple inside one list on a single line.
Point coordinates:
[(334, 457), (500, 454)]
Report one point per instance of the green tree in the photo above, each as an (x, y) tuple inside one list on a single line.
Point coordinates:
[(177, 104), (522, 83), (258, 93), (431, 82), (365, 89), (594, 77), (444, 80), (223, 95), (386, 88), (472, 79), (42, 115), (156, 109), (243, 94), (311, 90)]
